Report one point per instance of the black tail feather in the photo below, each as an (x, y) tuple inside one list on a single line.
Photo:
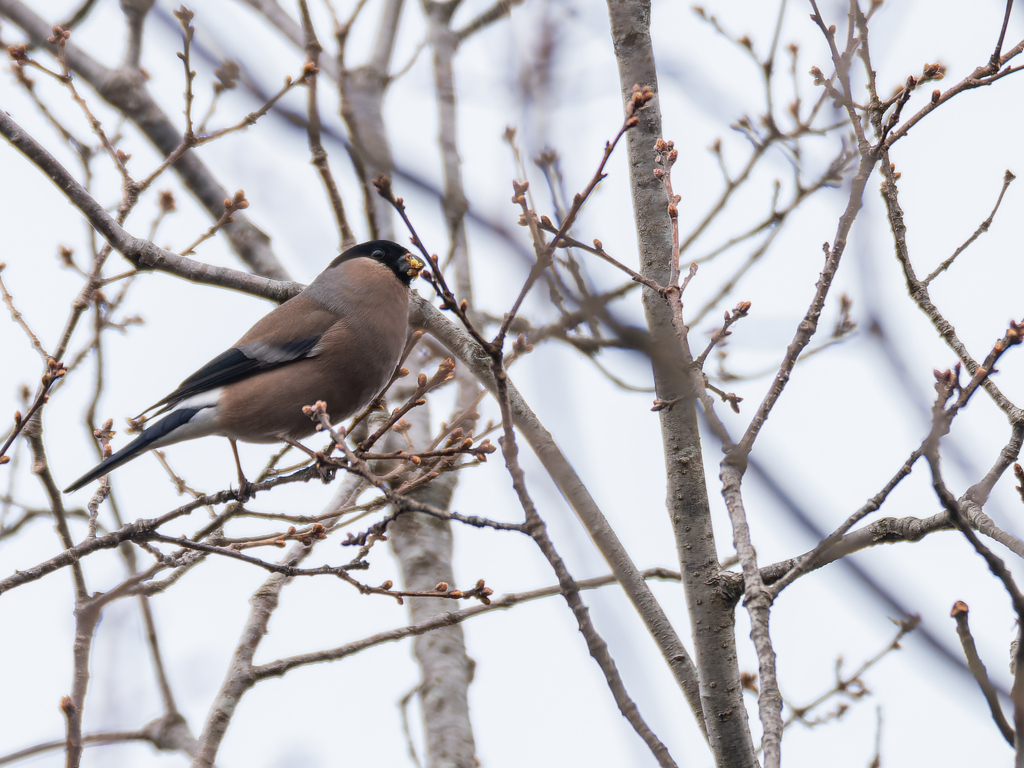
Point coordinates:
[(136, 447)]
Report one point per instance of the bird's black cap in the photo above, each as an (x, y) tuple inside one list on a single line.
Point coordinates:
[(392, 255)]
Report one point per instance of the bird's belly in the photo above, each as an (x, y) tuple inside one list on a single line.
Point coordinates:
[(268, 407)]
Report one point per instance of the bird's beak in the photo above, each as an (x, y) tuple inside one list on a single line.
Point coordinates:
[(413, 265)]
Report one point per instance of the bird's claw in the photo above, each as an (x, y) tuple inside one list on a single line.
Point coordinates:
[(246, 491), (325, 467)]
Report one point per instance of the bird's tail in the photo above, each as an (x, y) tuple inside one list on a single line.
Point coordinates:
[(152, 437)]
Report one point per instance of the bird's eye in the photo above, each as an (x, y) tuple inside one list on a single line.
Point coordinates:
[(378, 255)]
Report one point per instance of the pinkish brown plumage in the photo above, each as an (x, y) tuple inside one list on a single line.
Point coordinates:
[(339, 341)]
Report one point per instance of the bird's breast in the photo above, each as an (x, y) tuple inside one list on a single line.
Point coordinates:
[(350, 365)]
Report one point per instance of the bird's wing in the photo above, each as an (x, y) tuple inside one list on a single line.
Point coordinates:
[(289, 333)]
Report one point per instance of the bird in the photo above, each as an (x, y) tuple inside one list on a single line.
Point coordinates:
[(340, 341)]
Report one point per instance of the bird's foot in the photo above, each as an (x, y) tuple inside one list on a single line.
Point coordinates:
[(246, 490), (326, 468)]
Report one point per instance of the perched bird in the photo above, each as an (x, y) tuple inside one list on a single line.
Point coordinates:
[(339, 341)]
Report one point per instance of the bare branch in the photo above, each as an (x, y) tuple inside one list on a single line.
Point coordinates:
[(283, 666), (982, 228), (977, 666), (126, 91), (316, 147), (140, 252), (460, 344)]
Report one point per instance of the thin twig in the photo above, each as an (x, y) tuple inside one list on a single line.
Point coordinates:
[(283, 666), (316, 147), (977, 667), (1008, 178)]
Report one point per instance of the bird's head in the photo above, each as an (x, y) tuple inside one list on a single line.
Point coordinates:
[(395, 257)]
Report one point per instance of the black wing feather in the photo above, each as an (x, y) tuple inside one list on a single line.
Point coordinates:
[(236, 364)]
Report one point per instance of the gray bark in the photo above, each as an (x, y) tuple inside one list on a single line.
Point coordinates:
[(711, 614), (423, 546)]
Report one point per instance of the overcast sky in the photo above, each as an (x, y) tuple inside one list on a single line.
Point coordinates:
[(847, 421)]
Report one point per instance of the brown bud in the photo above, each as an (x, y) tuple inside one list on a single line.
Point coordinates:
[(387, 585), (748, 681), (936, 95), (383, 186), (227, 76), (59, 35), (959, 608), (442, 586), (166, 201)]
